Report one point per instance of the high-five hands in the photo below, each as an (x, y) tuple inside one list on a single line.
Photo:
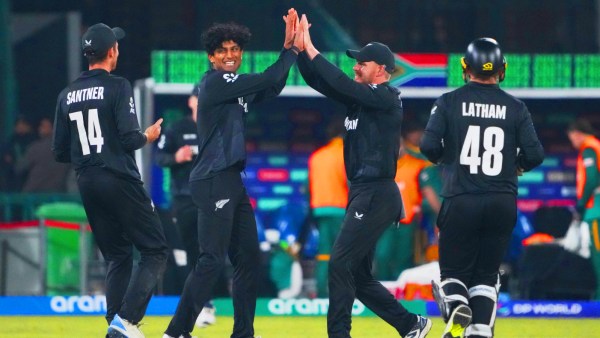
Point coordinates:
[(304, 31), (291, 20), (153, 132), (296, 32)]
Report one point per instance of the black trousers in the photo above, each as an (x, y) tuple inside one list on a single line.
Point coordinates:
[(121, 216), (226, 225), (186, 214), (372, 207), (475, 231)]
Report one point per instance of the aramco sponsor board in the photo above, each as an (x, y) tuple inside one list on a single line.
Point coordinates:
[(96, 305)]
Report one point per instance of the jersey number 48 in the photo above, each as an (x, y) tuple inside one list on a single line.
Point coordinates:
[(491, 159), (93, 135)]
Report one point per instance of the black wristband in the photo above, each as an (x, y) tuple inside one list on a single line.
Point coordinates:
[(295, 49)]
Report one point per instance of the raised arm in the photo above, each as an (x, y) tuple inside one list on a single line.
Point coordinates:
[(331, 81), (226, 86), (291, 24)]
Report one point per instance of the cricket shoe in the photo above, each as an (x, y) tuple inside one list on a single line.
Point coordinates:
[(185, 335), (458, 322), (121, 328), (206, 317), (420, 329)]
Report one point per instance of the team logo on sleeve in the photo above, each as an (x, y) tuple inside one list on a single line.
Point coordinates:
[(588, 162), (350, 124), (433, 110), (131, 105), (230, 77)]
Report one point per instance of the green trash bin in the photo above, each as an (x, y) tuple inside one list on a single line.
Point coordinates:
[(63, 273)]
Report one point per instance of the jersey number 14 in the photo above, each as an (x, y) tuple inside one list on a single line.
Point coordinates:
[(491, 159), (93, 135)]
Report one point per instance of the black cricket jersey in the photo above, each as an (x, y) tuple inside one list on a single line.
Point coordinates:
[(96, 124), (223, 100), (182, 133), (480, 135), (373, 119)]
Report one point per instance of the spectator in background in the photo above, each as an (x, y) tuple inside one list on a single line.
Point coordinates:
[(297, 241), (328, 190), (177, 149), (412, 131), (430, 184), (43, 174), (12, 151), (581, 134), (397, 249)]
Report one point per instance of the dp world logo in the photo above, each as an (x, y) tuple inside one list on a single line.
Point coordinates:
[(230, 77)]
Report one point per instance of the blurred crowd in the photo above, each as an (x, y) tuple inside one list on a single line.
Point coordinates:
[(297, 242), (296, 246), (28, 165)]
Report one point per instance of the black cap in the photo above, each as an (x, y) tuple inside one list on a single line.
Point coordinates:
[(99, 38), (376, 52)]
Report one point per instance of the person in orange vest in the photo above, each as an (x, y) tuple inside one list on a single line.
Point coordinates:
[(395, 249), (581, 134), (328, 188), (430, 185)]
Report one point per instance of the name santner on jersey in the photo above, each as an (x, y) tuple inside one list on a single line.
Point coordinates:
[(92, 93), (489, 111)]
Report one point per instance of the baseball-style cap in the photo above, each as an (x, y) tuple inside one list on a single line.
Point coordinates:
[(377, 52), (99, 38)]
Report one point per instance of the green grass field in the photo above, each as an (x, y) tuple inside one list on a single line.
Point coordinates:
[(286, 327)]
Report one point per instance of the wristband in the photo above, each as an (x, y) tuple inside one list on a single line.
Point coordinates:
[(295, 49)]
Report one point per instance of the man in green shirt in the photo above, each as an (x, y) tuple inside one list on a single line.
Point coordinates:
[(581, 134)]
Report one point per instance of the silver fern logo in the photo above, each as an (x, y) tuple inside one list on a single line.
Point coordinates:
[(230, 77), (220, 204), (358, 216)]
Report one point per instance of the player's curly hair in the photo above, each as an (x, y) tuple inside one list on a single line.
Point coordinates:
[(214, 36)]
